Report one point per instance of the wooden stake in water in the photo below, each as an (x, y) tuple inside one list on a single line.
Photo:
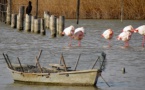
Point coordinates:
[(60, 25), (42, 27), (14, 20), (46, 15), (36, 8), (20, 18), (122, 6), (47, 21), (37, 26), (28, 23), (123, 70), (53, 26), (8, 17), (78, 10)]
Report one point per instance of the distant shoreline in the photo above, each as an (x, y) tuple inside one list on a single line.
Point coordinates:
[(89, 9)]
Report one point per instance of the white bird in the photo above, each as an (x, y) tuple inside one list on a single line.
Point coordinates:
[(141, 30), (79, 34), (69, 31), (125, 36), (128, 28), (108, 34)]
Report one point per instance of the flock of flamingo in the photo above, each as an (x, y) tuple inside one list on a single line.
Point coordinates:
[(125, 35)]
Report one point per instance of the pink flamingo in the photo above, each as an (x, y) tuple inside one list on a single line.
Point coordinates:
[(128, 28), (69, 31), (141, 30), (79, 34), (108, 34), (125, 36)]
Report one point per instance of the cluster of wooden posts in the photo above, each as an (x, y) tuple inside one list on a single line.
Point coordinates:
[(3, 6), (33, 24)]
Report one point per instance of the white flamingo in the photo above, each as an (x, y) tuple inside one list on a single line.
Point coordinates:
[(125, 36), (69, 31), (141, 30), (108, 34), (79, 34)]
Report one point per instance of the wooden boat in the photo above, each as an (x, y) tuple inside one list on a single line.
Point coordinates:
[(58, 74), (83, 77)]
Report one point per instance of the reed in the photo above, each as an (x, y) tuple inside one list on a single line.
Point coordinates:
[(96, 9)]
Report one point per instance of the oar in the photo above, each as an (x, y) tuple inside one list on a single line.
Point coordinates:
[(9, 61), (104, 58), (95, 62), (6, 60), (77, 62), (39, 56), (64, 62), (39, 66), (105, 81), (20, 64)]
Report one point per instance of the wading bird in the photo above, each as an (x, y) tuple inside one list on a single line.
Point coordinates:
[(79, 34), (128, 28), (69, 31), (108, 34), (125, 36), (141, 30)]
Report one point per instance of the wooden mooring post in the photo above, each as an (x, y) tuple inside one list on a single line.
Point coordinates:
[(78, 11), (20, 18), (122, 6), (28, 23), (8, 17), (46, 19), (13, 20), (37, 26), (53, 26), (60, 25), (3, 10), (32, 23), (42, 27)]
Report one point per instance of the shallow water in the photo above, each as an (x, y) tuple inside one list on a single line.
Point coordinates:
[(27, 45)]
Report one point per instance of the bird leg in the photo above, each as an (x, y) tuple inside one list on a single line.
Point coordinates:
[(70, 41), (79, 42), (126, 44), (143, 41), (109, 43)]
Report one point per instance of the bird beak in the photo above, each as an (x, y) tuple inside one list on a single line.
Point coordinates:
[(62, 33), (135, 30), (132, 31)]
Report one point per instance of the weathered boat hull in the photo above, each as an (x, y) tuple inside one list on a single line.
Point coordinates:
[(83, 77)]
